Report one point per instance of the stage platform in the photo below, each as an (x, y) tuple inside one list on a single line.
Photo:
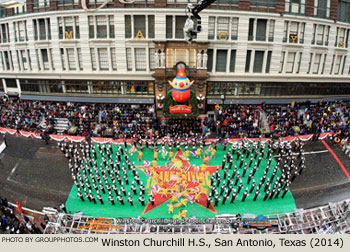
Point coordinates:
[(268, 207)]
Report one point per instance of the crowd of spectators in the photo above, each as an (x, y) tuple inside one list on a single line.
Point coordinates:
[(127, 121), (12, 224), (283, 120)]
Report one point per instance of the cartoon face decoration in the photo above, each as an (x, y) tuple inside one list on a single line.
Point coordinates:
[(181, 82)]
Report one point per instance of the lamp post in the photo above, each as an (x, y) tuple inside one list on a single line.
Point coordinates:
[(223, 100)]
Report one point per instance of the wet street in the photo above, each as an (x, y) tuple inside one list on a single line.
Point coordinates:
[(37, 175)]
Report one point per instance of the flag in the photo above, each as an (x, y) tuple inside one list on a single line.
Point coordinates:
[(210, 148), (132, 150), (164, 153), (190, 197), (146, 165), (194, 153)]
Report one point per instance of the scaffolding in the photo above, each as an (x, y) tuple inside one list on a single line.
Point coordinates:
[(333, 218)]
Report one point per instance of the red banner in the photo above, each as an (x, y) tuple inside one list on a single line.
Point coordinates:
[(102, 140), (180, 109)]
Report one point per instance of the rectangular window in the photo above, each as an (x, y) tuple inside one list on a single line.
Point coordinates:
[(268, 61), (140, 59), (77, 30), (169, 27), (344, 61), (261, 30), (80, 58), (332, 65), (91, 27), (322, 8), (93, 58), (180, 22), (71, 59), (68, 33), (290, 62), (324, 63), (170, 57), (60, 28), (317, 61), (63, 61), (111, 27), (302, 32), (251, 29), (327, 35), (139, 25), (101, 26), (103, 58), (293, 32), (281, 62), (52, 63), (211, 28), (210, 60), (310, 61), (234, 29), (45, 58), (285, 31), (320, 33), (114, 58), (181, 55), (314, 34), (192, 58), (222, 30), (151, 58), (299, 63), (129, 59), (247, 61), (19, 65), (151, 26), (233, 61), (341, 38), (337, 64), (295, 6), (258, 61), (271, 30), (127, 23), (221, 59), (7, 60), (24, 59), (42, 29)]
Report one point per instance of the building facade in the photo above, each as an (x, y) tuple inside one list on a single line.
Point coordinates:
[(248, 49)]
